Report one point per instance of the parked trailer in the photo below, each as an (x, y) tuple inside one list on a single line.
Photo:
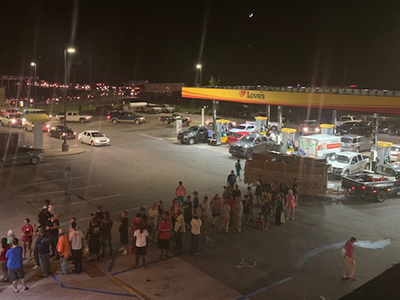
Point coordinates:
[(311, 173)]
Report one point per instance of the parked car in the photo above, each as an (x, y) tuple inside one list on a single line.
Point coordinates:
[(151, 108), (59, 131), (73, 116), (235, 136), (12, 120), (195, 134), (395, 153), (353, 142), (93, 138), (166, 108), (209, 122), (125, 117), (171, 119), (309, 127), (247, 127), (386, 127), (346, 119), (347, 163), (359, 128), (250, 144), (21, 155), (378, 185), (29, 126)]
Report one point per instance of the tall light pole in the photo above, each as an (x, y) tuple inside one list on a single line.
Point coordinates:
[(200, 68), (65, 146), (33, 64)]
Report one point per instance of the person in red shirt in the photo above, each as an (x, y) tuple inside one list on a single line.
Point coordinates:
[(27, 233), (164, 234), (136, 222), (349, 262)]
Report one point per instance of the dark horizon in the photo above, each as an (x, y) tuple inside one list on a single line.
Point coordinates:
[(245, 43)]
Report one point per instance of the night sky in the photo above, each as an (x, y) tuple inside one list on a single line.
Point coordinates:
[(283, 43)]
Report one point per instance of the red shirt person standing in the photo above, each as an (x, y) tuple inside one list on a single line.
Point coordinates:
[(164, 234), (349, 261)]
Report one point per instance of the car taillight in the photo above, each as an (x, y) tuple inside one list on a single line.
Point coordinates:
[(108, 117), (374, 191), (159, 118), (363, 187), (353, 187)]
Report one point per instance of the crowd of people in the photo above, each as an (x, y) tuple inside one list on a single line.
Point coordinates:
[(185, 221)]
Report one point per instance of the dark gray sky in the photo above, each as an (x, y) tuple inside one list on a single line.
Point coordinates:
[(283, 43)]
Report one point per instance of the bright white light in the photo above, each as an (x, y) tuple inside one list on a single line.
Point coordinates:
[(71, 50), (251, 15), (33, 64), (198, 66)]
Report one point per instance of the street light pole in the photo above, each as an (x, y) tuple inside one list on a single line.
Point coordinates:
[(33, 64), (65, 146), (200, 68)]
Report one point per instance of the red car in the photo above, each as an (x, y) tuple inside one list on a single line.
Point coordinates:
[(235, 136)]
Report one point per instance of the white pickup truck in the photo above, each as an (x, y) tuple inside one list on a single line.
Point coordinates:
[(347, 118), (347, 163), (74, 116)]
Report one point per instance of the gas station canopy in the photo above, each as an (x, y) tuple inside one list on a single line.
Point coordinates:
[(375, 103)]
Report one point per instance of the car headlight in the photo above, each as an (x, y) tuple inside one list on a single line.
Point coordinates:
[(13, 121), (317, 129), (108, 140), (23, 120), (305, 129), (96, 141)]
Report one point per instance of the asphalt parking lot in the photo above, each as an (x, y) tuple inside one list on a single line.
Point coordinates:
[(299, 260)]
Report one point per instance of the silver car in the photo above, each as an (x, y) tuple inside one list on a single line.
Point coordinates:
[(355, 143)]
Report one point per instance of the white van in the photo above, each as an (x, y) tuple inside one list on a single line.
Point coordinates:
[(319, 146)]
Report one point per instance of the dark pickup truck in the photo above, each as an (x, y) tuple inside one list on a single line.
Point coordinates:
[(383, 182), (171, 119)]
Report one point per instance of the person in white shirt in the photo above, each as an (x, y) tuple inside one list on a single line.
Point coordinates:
[(76, 239), (195, 225), (140, 235)]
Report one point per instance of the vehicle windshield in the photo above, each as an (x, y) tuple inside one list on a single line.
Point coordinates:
[(382, 170), (339, 158), (15, 116), (242, 127), (97, 134), (249, 139), (395, 149), (193, 128), (310, 123), (348, 140)]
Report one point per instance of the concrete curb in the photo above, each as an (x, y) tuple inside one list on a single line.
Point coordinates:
[(52, 153)]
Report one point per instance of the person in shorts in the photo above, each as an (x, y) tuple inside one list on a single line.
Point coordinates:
[(140, 235), (15, 267)]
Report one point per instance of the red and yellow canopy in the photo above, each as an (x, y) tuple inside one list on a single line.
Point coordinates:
[(373, 104)]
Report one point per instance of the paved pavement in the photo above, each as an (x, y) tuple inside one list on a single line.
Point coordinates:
[(299, 260)]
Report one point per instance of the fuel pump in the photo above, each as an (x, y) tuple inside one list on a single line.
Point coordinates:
[(261, 125), (327, 129), (220, 135), (288, 140), (383, 153)]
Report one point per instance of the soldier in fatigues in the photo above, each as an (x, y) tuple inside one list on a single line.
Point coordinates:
[(225, 217), (237, 213)]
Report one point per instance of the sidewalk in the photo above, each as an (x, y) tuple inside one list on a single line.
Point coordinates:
[(172, 278)]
